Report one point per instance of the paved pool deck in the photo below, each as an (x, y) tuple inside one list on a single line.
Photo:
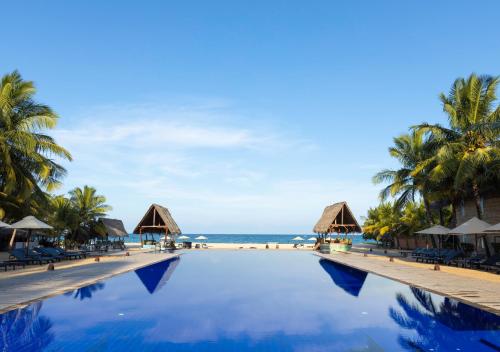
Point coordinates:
[(21, 287), (473, 287)]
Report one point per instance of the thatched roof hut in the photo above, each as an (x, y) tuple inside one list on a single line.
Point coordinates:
[(337, 218), (114, 227), (157, 220)]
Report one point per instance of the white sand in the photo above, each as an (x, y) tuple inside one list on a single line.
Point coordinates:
[(243, 246)]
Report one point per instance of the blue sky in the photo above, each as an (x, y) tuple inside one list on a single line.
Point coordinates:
[(242, 116)]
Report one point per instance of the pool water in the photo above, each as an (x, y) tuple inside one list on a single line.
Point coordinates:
[(249, 300)]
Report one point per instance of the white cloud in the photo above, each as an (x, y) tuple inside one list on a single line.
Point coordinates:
[(216, 172)]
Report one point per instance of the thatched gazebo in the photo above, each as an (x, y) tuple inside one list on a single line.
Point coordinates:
[(336, 218), (114, 228), (157, 220)]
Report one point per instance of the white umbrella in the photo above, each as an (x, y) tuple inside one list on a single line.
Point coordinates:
[(472, 226), (298, 238), (493, 229), (183, 237), (201, 238), (435, 230), (311, 239), (30, 223), (3, 224)]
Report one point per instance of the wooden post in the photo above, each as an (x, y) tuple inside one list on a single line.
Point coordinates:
[(140, 235), (12, 240)]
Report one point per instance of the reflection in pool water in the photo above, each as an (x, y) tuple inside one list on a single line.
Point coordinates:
[(25, 329), (349, 279), (85, 292), (458, 323), (251, 300), (155, 276)]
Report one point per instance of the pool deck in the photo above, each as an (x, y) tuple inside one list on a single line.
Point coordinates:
[(473, 287), (21, 287)]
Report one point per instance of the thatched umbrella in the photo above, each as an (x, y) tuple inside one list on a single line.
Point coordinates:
[(30, 223)]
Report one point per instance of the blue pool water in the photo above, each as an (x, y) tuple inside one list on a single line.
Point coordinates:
[(249, 300), (249, 238)]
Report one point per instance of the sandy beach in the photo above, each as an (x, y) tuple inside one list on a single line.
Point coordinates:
[(244, 246)]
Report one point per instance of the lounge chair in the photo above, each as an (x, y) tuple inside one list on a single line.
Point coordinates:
[(492, 263), (72, 254), (19, 255), (12, 263), (46, 253)]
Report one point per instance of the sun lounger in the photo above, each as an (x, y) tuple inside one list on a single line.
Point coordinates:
[(12, 263), (19, 255), (492, 263), (72, 254), (47, 253)]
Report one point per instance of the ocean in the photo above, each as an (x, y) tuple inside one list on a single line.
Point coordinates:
[(248, 238)]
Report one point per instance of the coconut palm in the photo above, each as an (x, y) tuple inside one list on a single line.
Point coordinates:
[(411, 150), (26, 153), (88, 206), (469, 151), (382, 221)]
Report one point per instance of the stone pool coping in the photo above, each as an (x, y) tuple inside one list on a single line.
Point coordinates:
[(21, 289), (482, 291)]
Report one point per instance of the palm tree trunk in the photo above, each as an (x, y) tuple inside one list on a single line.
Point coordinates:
[(441, 216), (453, 221), (477, 199), (428, 212)]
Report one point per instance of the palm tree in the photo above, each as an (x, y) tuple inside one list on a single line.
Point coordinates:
[(382, 221), (410, 180), (89, 207), (470, 149), (27, 169)]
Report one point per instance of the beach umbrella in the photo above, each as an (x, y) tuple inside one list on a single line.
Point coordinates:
[(4, 224), (311, 239), (298, 238), (435, 230), (473, 226), (183, 237), (201, 238), (30, 223), (495, 229)]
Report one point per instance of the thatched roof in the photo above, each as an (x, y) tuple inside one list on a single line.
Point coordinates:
[(157, 220), (114, 227), (337, 218)]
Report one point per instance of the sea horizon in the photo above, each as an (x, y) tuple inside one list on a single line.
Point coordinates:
[(249, 238)]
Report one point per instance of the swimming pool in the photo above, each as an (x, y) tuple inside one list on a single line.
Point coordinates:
[(248, 300)]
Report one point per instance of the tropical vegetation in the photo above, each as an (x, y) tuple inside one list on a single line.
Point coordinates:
[(442, 165), (30, 169)]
